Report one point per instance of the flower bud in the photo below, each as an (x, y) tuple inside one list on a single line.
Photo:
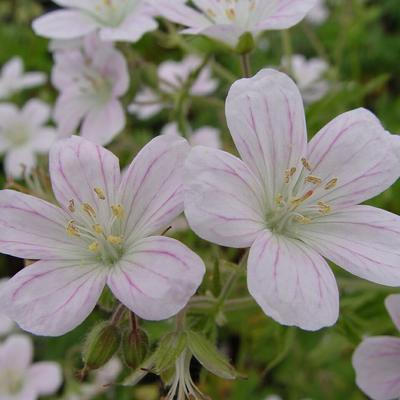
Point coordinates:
[(101, 344), (246, 43), (135, 347)]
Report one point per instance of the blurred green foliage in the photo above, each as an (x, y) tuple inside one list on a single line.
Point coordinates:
[(361, 42)]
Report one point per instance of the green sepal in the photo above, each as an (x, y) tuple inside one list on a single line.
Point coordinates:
[(170, 348)]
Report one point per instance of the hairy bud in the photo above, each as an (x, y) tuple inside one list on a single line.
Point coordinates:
[(135, 347)]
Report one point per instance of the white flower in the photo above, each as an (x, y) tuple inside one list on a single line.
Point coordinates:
[(318, 14), (23, 135), (6, 324), (115, 20), (19, 378), (13, 79), (173, 76), (309, 76)]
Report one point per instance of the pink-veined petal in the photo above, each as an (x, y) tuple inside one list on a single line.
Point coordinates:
[(285, 14), (157, 277), (292, 283), (392, 304), (44, 378), (265, 115), (363, 240), (355, 149), (377, 364), (50, 298), (64, 24), (32, 228), (102, 124), (223, 199), (77, 166), (151, 189), (16, 352)]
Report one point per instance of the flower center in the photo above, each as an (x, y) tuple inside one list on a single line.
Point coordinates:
[(299, 202), (102, 239), (17, 134), (113, 12), (10, 382)]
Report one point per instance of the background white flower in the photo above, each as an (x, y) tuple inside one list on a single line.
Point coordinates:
[(23, 135), (13, 78)]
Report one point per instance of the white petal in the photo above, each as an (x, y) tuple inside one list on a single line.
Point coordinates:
[(223, 200), (292, 283), (377, 364), (392, 304), (266, 118), (102, 124), (151, 189), (361, 239), (32, 228), (36, 112), (77, 166), (16, 352), (44, 378), (355, 149), (157, 277), (64, 24), (19, 160), (50, 298)]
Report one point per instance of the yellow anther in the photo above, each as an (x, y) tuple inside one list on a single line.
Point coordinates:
[(98, 229), (279, 199), (71, 206), (331, 184), (313, 179), (93, 247), (298, 200), (302, 219), (211, 13), (306, 164), (71, 228), (231, 14), (88, 209), (114, 239), (289, 173), (100, 193), (118, 210), (324, 208)]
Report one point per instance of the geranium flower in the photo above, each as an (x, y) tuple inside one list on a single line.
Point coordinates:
[(377, 360), (23, 134), (294, 203), (309, 76), (227, 20), (115, 20), (91, 78), (173, 76), (105, 233), (19, 378), (13, 79)]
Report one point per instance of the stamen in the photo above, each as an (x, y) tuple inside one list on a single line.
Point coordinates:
[(306, 164), (98, 229), (114, 239), (279, 199), (71, 206), (313, 179), (302, 219), (94, 247), (331, 184), (118, 210), (100, 193), (231, 14), (298, 200), (324, 208), (71, 228), (88, 209)]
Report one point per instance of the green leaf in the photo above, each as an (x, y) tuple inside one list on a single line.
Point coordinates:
[(209, 357)]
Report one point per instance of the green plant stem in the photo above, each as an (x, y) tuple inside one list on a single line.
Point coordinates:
[(246, 65), (118, 314)]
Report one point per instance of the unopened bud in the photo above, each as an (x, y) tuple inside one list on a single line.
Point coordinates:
[(246, 43), (135, 347), (101, 344)]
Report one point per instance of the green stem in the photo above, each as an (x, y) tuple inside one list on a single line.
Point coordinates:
[(118, 314), (246, 65), (287, 49)]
